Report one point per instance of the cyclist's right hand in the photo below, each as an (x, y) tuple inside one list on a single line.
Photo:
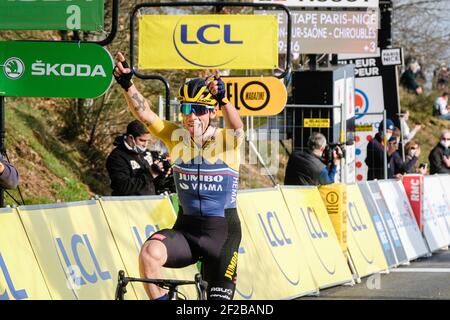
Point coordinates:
[(122, 72)]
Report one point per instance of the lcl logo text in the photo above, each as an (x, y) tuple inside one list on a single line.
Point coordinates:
[(77, 243), (275, 238), (201, 35), (17, 294)]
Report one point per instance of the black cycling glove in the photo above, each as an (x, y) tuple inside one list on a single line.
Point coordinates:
[(125, 79), (221, 92)]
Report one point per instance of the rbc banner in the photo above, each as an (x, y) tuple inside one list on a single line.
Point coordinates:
[(208, 41)]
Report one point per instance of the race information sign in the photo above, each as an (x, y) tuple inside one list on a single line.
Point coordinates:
[(51, 15), (329, 31), (324, 3)]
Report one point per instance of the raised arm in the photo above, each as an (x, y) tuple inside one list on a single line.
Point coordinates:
[(138, 105), (230, 114)]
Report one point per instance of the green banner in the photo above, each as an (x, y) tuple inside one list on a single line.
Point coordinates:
[(51, 15), (54, 69)]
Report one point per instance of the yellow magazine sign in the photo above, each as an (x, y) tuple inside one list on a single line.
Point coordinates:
[(208, 41), (256, 96)]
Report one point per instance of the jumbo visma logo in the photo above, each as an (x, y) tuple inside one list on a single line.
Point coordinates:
[(190, 39)]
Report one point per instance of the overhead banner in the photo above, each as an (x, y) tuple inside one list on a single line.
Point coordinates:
[(20, 276), (51, 15), (256, 96), (266, 215), (325, 258), (324, 3), (208, 41), (403, 217), (315, 32), (54, 69), (380, 226), (363, 244), (132, 221), (75, 250)]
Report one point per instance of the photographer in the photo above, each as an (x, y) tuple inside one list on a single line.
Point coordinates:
[(131, 167), (307, 167)]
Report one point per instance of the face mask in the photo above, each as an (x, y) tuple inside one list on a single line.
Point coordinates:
[(445, 143), (412, 153), (138, 149)]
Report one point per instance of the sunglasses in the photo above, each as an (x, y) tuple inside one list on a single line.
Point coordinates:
[(197, 109)]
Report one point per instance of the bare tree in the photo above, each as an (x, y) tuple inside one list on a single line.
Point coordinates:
[(422, 28)]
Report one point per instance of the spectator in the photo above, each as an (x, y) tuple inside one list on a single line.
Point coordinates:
[(408, 78), (9, 177), (396, 166), (408, 134), (441, 77), (376, 151), (307, 168), (440, 155), (412, 149), (130, 165), (441, 106)]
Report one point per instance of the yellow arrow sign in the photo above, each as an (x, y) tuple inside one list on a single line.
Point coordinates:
[(256, 96)]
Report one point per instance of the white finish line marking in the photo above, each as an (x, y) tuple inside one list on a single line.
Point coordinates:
[(423, 270)]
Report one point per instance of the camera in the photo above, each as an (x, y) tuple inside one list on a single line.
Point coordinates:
[(156, 156), (328, 153)]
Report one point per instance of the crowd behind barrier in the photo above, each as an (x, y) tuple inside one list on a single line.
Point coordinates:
[(289, 243)]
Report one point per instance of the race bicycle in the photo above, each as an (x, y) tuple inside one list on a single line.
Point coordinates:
[(169, 284)]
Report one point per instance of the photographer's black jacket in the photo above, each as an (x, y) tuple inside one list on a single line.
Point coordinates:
[(129, 172), (305, 168)]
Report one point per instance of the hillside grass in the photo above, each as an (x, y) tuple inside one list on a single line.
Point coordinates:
[(48, 168)]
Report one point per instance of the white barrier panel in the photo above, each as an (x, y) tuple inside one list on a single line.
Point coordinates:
[(386, 217), (441, 197), (435, 209), (445, 183), (398, 204), (380, 226)]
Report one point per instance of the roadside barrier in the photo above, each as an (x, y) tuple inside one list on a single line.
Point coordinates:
[(289, 243), (363, 242)]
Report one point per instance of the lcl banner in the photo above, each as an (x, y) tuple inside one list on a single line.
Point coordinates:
[(51, 15), (54, 69), (208, 41)]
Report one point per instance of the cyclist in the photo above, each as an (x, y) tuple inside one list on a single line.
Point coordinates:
[(206, 172)]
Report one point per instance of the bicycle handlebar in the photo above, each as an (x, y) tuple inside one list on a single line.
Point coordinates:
[(170, 284)]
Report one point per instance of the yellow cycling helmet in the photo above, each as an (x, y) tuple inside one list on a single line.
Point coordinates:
[(195, 91)]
